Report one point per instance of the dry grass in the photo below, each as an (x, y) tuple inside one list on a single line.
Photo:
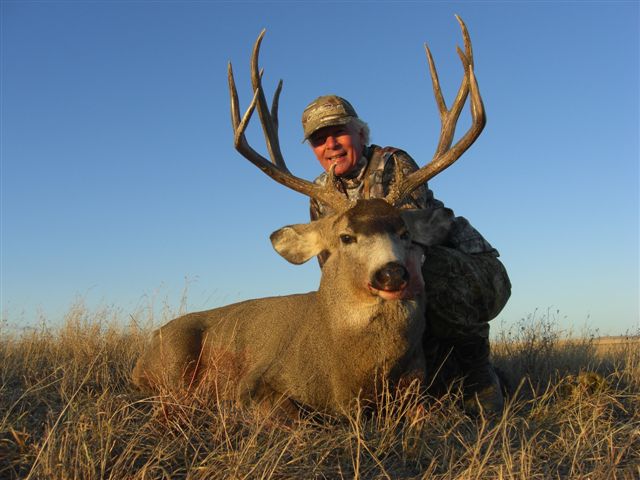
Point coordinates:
[(67, 410)]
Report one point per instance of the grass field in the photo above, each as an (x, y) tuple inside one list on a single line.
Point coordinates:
[(68, 411)]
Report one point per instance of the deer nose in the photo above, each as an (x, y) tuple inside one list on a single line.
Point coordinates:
[(391, 277)]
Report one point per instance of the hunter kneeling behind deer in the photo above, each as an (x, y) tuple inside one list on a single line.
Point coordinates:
[(406, 285)]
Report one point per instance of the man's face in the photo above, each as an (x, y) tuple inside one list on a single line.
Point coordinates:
[(341, 145)]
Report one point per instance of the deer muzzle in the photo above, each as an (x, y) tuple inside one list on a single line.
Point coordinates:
[(390, 282)]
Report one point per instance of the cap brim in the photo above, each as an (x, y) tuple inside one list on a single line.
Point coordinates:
[(329, 122)]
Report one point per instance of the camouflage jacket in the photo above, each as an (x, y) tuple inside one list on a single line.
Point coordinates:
[(375, 173)]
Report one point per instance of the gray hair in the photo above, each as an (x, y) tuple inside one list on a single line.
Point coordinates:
[(361, 125)]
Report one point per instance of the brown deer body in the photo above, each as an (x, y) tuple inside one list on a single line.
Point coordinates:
[(320, 349), (365, 323)]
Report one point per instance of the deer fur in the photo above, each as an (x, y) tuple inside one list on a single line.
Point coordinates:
[(323, 349)]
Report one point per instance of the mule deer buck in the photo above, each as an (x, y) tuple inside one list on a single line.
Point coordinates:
[(363, 325)]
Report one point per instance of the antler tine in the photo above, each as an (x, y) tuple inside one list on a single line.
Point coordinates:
[(445, 154), (466, 38), (274, 106), (269, 127), (239, 126), (449, 118), (277, 170)]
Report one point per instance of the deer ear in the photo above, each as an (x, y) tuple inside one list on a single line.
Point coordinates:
[(298, 243), (429, 227)]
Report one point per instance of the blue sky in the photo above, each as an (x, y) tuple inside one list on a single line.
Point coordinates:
[(120, 183)]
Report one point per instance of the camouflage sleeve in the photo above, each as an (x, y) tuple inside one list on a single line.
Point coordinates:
[(421, 197), (463, 236), (314, 209)]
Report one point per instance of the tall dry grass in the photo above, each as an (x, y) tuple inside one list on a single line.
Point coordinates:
[(68, 410)]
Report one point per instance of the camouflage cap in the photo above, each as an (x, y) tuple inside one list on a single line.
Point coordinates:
[(326, 111)]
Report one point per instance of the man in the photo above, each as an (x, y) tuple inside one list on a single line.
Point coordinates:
[(466, 284)]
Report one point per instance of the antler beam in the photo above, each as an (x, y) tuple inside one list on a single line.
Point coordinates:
[(445, 155), (276, 168)]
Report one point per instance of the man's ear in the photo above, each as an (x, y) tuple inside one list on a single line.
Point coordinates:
[(298, 243), (428, 227)]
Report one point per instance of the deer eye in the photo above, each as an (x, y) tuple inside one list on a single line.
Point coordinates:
[(347, 239)]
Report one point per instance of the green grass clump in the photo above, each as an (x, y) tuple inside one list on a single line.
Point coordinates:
[(68, 410)]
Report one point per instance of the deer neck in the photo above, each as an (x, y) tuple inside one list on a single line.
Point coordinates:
[(371, 338), (348, 310)]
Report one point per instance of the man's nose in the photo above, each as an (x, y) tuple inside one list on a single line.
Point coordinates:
[(331, 141)]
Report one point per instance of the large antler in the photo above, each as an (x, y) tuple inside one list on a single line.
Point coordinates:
[(277, 168), (445, 154)]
